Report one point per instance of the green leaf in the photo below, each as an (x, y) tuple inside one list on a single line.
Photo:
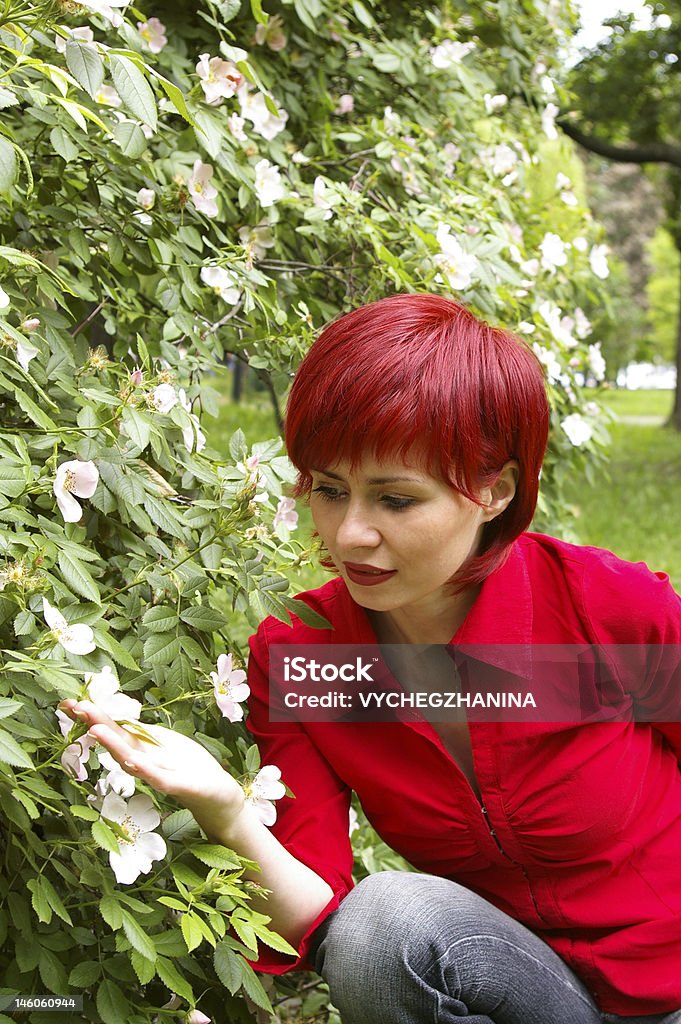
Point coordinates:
[(171, 977), (39, 900), (85, 65), (134, 90), (8, 165), (138, 427), (12, 753), (143, 968), (216, 857), (78, 577), (228, 967), (116, 649), (271, 938), (175, 95), (54, 900), (112, 1005), (131, 139), (161, 649), (191, 933), (33, 411), (160, 619), (258, 13), (9, 707), (63, 144), (104, 837), (52, 973), (8, 98), (203, 618), (179, 825), (85, 811), (138, 938), (112, 912), (305, 613), (85, 974), (253, 988)]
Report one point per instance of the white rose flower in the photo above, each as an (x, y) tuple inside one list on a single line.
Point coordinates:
[(598, 260), (269, 187), (75, 637), (578, 430), (449, 52), (138, 818), (74, 477)]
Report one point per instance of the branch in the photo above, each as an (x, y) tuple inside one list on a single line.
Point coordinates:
[(653, 153)]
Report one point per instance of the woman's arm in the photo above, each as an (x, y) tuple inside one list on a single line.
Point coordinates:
[(180, 767)]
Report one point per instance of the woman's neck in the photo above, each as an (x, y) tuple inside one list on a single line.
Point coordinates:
[(423, 626)]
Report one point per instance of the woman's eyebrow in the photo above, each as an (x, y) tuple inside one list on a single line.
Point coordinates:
[(373, 479)]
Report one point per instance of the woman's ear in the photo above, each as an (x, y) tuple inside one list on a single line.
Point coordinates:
[(501, 493)]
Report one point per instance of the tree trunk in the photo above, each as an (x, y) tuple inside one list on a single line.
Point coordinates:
[(675, 418), (237, 380)]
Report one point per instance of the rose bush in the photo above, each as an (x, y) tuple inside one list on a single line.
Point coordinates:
[(175, 189)]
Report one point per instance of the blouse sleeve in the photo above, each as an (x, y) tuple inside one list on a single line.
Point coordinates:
[(628, 604), (313, 826)]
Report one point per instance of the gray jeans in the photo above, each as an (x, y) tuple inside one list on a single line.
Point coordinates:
[(417, 949)]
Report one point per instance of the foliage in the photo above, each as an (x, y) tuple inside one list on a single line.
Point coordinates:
[(160, 210), (627, 91), (663, 307)]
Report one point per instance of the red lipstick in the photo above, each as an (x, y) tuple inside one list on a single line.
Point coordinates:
[(367, 575)]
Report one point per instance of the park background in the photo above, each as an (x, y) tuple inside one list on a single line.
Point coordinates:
[(187, 195)]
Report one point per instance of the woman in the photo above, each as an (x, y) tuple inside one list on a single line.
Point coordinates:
[(548, 886)]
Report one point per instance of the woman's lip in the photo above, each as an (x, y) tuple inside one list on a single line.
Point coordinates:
[(365, 567), (367, 575)]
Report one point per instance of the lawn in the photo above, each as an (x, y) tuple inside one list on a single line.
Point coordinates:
[(633, 509)]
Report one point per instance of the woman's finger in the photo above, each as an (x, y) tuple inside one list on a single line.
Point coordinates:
[(129, 752)]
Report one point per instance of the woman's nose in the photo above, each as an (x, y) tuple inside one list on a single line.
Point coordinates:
[(356, 530)]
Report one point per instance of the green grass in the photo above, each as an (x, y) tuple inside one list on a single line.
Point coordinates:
[(638, 403), (633, 509)]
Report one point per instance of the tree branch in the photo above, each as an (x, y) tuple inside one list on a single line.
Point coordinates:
[(652, 153)]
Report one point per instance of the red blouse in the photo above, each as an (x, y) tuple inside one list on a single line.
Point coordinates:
[(586, 849)]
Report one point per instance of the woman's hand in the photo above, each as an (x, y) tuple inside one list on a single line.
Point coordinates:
[(173, 764)]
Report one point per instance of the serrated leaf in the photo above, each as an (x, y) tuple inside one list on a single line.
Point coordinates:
[(134, 89), (137, 427), (52, 973), (9, 707), (7, 98), (85, 974), (39, 900), (112, 1005), (253, 988), (160, 619), (179, 825), (25, 623), (54, 900), (143, 968), (271, 938), (112, 912), (77, 577), (8, 165), (161, 649), (104, 837), (170, 976), (191, 933), (237, 446), (203, 618), (175, 96), (228, 967), (216, 857), (306, 614), (63, 144), (12, 753), (131, 139), (84, 811), (245, 932), (137, 937), (85, 65), (33, 411), (118, 652)]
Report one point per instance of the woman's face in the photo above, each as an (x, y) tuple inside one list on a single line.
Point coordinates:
[(396, 534)]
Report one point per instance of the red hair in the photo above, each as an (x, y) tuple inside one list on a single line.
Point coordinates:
[(421, 373)]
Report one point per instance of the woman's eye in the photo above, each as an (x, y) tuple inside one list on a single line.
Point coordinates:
[(327, 493), (397, 503)]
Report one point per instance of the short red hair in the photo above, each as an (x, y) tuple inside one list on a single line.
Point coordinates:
[(420, 372)]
